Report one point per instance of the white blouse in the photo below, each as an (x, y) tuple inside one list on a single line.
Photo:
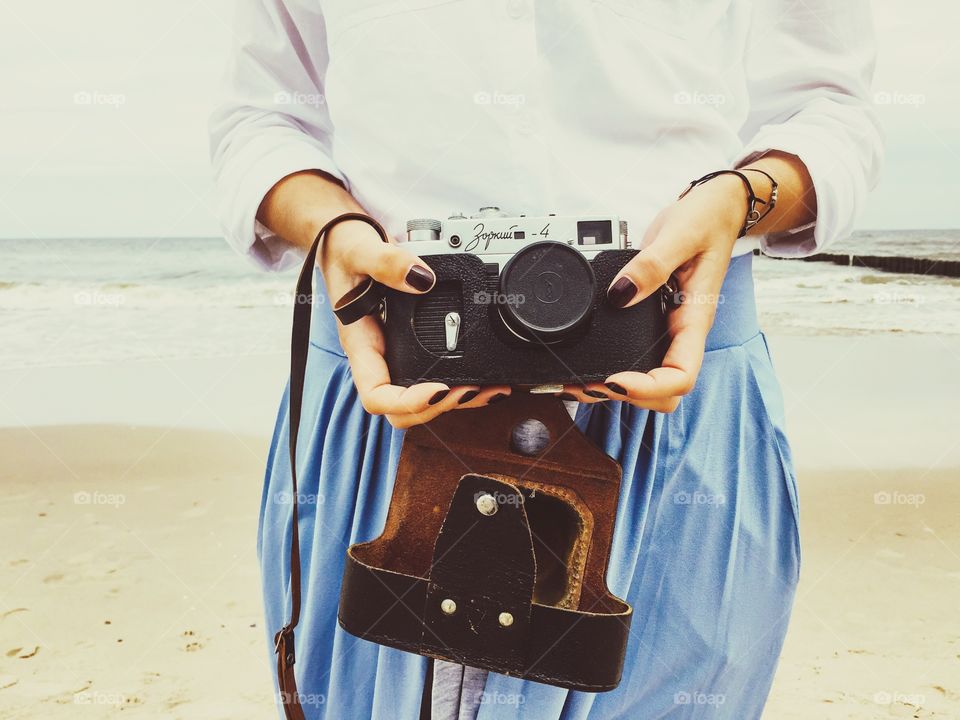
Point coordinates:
[(425, 107)]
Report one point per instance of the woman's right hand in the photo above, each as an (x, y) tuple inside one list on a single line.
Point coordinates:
[(351, 252)]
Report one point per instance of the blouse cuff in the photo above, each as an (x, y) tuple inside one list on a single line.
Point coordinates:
[(833, 183), (258, 164)]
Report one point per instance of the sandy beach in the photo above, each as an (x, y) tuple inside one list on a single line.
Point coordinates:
[(129, 578)]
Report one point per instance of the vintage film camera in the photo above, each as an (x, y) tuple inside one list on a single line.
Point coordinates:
[(520, 300)]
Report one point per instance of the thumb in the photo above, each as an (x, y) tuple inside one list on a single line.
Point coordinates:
[(396, 267), (364, 253), (645, 273)]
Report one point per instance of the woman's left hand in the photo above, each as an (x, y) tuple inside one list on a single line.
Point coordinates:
[(691, 240)]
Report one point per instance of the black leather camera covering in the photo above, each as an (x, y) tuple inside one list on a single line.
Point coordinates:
[(615, 340)]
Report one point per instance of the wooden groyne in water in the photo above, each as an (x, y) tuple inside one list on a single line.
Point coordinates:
[(892, 263)]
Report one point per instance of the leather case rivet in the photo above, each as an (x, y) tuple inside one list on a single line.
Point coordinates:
[(448, 606), (487, 504), (506, 619)]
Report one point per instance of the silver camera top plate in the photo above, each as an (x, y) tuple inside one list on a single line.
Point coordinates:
[(497, 236)]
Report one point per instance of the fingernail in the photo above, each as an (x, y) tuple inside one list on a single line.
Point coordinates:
[(567, 396), (438, 396), (419, 278), (596, 394), (618, 389), (467, 397), (621, 292), (497, 398)]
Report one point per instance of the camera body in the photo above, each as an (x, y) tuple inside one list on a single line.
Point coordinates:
[(520, 300)]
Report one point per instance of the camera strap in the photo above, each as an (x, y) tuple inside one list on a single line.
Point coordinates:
[(356, 304)]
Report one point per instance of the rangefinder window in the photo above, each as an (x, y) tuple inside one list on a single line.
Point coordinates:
[(594, 232)]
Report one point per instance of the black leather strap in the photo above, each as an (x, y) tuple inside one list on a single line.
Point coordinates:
[(352, 307), (363, 300), (426, 699)]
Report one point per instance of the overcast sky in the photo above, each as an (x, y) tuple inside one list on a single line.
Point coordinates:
[(104, 106)]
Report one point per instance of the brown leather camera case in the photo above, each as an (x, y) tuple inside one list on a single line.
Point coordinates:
[(519, 591)]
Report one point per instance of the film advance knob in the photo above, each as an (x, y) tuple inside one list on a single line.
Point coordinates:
[(423, 229)]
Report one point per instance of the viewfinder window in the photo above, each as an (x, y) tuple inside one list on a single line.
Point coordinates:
[(594, 232)]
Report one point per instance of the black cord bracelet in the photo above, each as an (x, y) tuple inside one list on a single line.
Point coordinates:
[(753, 216)]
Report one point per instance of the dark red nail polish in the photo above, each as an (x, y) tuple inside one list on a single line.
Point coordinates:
[(467, 397), (595, 394), (419, 278), (438, 396), (615, 387), (497, 398), (567, 396), (621, 292)]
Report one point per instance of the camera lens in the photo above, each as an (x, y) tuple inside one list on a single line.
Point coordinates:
[(548, 291)]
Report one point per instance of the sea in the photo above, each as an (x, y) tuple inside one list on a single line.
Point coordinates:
[(91, 301)]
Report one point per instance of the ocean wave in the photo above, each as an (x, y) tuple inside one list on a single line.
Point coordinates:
[(101, 301)]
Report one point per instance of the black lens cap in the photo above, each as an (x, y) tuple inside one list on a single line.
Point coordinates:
[(548, 290)]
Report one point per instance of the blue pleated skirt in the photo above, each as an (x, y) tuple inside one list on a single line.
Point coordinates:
[(706, 546)]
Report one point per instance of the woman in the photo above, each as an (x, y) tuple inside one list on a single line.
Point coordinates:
[(415, 108)]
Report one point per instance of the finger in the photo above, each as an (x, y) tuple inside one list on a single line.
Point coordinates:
[(363, 253), (615, 391), (689, 325), (362, 342), (677, 375), (648, 270), (661, 406), (449, 400), (582, 394), (595, 392), (484, 397)]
